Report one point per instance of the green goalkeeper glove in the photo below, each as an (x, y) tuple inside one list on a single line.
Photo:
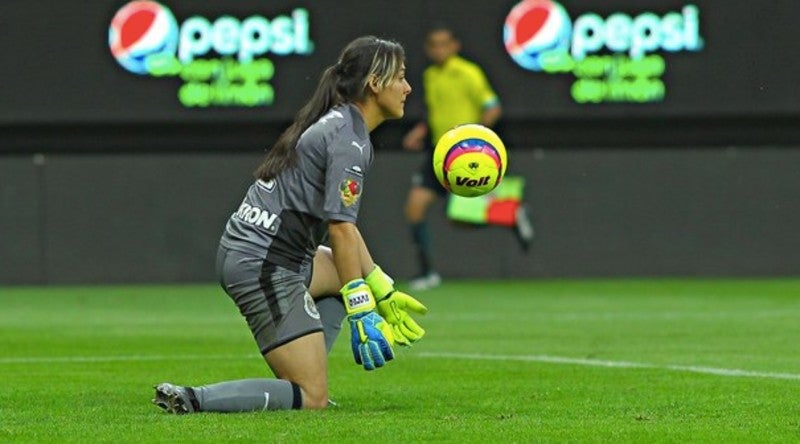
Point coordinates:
[(394, 306), (370, 335)]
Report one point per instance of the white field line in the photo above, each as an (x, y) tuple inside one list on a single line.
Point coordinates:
[(612, 316), (616, 364), (130, 358), (465, 356)]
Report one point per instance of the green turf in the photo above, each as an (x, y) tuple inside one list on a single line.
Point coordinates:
[(518, 361)]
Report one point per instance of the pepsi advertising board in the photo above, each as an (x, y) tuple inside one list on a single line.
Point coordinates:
[(249, 61), (146, 39), (614, 59)]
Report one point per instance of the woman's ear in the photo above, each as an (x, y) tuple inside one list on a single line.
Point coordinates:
[(373, 84)]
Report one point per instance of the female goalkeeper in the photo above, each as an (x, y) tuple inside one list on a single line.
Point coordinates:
[(293, 292)]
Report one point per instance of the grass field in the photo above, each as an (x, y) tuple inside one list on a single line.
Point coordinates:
[(518, 361)]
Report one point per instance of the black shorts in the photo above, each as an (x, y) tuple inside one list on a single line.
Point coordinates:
[(425, 177)]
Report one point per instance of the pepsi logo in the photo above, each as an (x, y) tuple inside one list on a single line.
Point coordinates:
[(140, 29), (535, 28)]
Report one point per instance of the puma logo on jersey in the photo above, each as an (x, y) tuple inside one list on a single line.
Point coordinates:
[(360, 147), (256, 216)]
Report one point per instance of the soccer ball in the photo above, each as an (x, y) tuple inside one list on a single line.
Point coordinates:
[(470, 160)]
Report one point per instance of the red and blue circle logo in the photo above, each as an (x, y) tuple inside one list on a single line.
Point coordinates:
[(536, 29), (141, 29)]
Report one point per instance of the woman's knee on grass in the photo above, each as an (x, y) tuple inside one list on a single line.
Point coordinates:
[(304, 362)]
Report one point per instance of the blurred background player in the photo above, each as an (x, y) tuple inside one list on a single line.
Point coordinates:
[(293, 292), (456, 92)]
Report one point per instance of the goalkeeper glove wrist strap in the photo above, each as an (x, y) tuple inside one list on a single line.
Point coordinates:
[(380, 283), (357, 297)]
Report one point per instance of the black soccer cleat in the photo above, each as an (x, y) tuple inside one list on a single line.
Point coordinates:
[(175, 399)]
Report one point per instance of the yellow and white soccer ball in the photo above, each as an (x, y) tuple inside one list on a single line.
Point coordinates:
[(470, 160)]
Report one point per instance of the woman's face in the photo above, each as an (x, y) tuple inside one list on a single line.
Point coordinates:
[(392, 98)]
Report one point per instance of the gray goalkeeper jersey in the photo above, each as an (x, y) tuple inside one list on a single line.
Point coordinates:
[(284, 220)]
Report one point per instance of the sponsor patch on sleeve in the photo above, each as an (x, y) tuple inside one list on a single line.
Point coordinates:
[(354, 170), (349, 191)]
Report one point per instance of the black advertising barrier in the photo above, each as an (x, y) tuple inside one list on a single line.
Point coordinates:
[(249, 61)]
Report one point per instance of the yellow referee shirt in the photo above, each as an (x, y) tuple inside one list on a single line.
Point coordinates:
[(456, 93)]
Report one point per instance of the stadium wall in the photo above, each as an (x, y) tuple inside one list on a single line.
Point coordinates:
[(91, 218), (109, 173)]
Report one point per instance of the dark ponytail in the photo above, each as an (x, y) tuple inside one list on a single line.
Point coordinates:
[(283, 154), (346, 81)]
